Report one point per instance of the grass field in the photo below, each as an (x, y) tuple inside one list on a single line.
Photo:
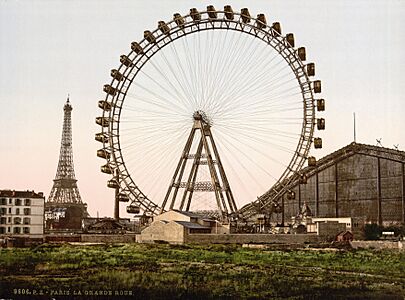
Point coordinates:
[(142, 271)]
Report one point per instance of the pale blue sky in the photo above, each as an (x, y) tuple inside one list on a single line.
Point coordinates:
[(51, 48)]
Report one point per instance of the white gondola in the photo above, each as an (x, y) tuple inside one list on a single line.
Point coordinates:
[(302, 53), (112, 183), (136, 48), (318, 143), (311, 69), (122, 197), (179, 20), (116, 75), (101, 137), (103, 154), (311, 161), (212, 13), (163, 27), (228, 12), (106, 169), (320, 104), (261, 21), (125, 60), (132, 209), (110, 90), (195, 15), (276, 27), (317, 86), (104, 105), (290, 40), (104, 122), (303, 179), (320, 124), (245, 15)]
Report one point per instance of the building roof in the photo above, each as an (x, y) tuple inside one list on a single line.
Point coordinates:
[(192, 225), (20, 194), (348, 151), (192, 214), (343, 233), (322, 164), (106, 224), (356, 148)]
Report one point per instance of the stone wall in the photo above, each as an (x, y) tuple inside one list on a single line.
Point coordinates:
[(108, 238), (252, 238), (171, 232), (375, 245)]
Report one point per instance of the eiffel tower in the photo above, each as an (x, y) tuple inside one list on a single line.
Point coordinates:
[(64, 196), (206, 154)]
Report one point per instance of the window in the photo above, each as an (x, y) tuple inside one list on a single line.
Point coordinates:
[(3, 220), (18, 202), (3, 211), (27, 211), (9, 210), (17, 230), (9, 220), (2, 230), (26, 230), (17, 211), (8, 229), (27, 202), (10, 201), (3, 201), (26, 220), (17, 220)]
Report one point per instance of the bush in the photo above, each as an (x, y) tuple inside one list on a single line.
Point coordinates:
[(372, 232)]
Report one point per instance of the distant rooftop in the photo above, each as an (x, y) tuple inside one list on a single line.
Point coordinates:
[(21, 194), (199, 215)]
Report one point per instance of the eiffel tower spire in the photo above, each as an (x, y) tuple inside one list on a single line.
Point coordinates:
[(65, 190)]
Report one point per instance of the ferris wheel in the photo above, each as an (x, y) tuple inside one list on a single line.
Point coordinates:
[(209, 111)]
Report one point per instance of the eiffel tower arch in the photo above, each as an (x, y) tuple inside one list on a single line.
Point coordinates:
[(64, 209)]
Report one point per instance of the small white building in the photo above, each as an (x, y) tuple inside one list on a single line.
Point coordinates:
[(21, 214), (354, 225), (175, 226)]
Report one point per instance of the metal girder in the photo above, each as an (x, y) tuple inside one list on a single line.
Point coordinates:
[(219, 184)]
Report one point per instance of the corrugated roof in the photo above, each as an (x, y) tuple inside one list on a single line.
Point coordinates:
[(350, 150), (192, 225)]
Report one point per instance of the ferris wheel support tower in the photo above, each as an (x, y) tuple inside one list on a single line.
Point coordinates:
[(219, 183)]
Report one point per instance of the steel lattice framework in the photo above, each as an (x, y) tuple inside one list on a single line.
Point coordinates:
[(219, 184), (64, 189), (167, 33)]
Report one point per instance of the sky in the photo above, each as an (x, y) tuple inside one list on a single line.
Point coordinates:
[(49, 49)]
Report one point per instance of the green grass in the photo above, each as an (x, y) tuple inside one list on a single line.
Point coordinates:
[(203, 272)]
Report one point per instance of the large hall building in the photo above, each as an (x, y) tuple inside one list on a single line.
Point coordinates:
[(360, 181)]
